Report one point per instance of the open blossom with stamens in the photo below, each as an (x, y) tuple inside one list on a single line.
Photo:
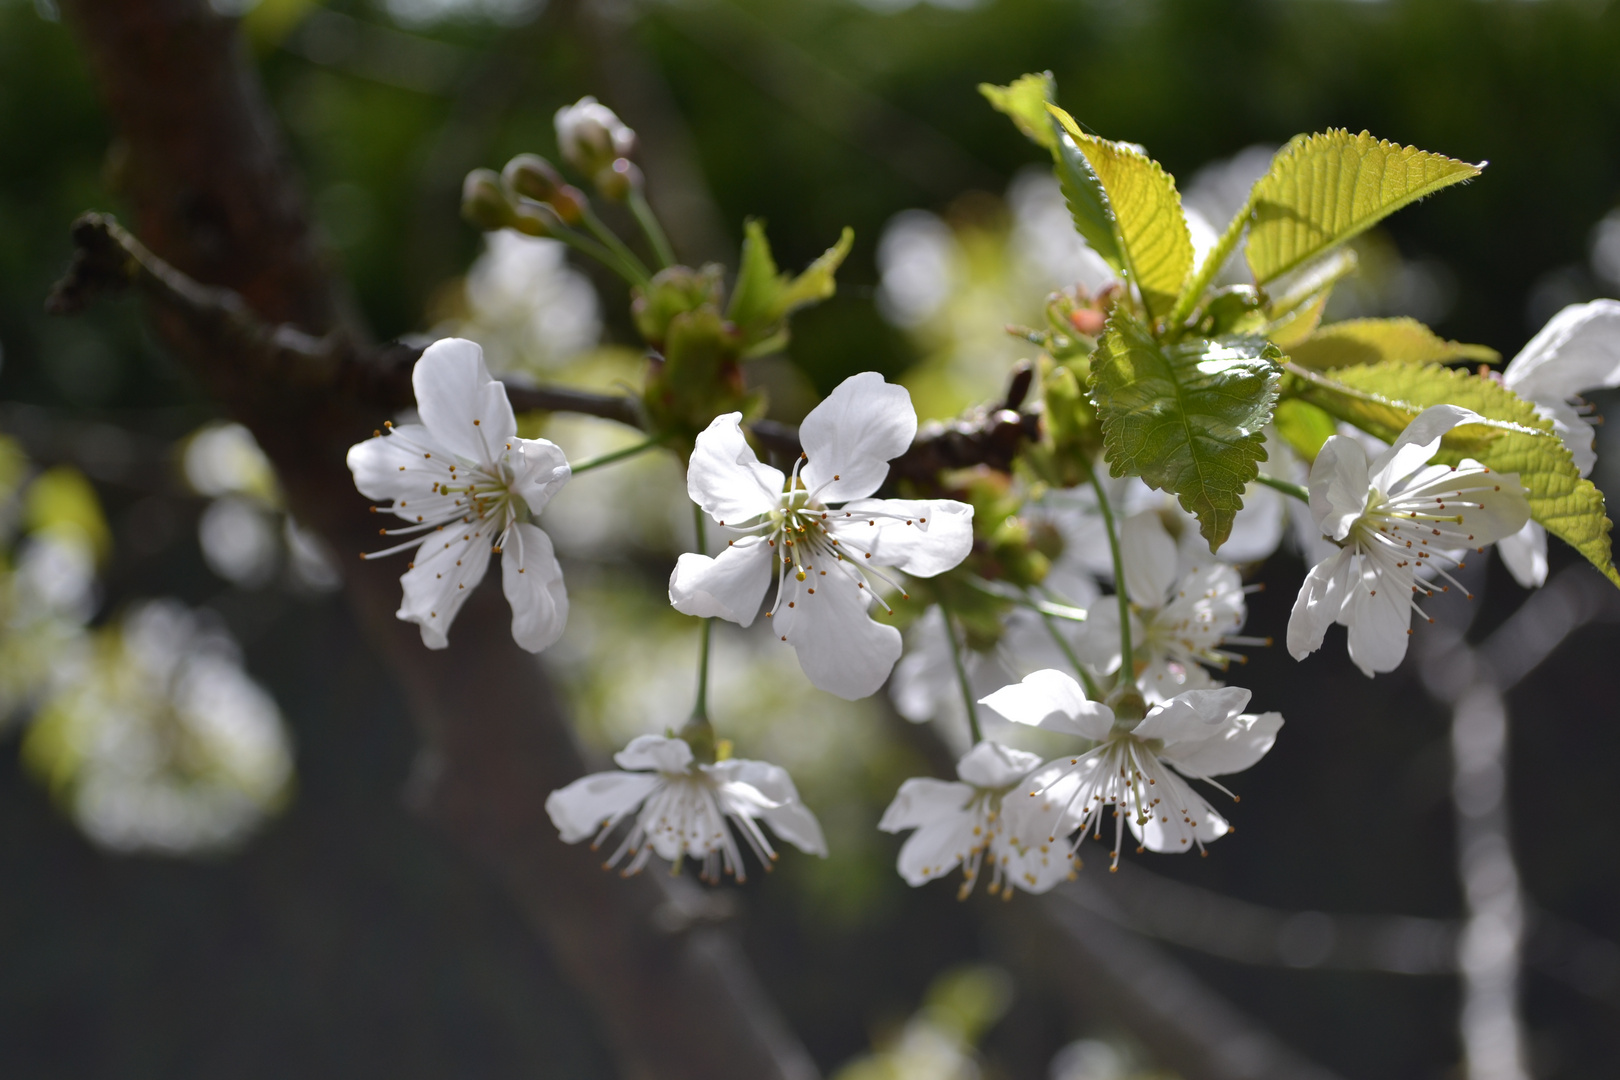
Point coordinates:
[(1180, 621), (983, 818), (1201, 733), (464, 479), (821, 531), (1391, 517), (681, 807), (1577, 351)]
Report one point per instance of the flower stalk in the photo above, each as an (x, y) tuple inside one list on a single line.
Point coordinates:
[(1127, 663)]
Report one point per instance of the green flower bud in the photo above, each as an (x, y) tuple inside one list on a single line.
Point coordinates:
[(484, 202)]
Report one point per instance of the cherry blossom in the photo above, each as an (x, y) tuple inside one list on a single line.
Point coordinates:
[(821, 531), (466, 480), (1390, 517), (981, 818), (681, 807), (1577, 351), (1141, 767), (1180, 618)]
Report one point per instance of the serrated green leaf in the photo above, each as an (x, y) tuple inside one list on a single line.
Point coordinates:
[(1374, 341), (1186, 416), (1323, 189), (1145, 211), (1024, 102), (1303, 426), (1298, 324), (1383, 398), (1087, 202)]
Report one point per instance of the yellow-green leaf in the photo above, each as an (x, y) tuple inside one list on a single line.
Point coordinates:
[(1024, 102), (1383, 398), (1146, 215), (1374, 341), (1186, 416), (1303, 426), (1323, 189)]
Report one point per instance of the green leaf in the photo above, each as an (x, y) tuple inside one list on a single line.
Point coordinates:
[(1303, 426), (1087, 202), (1186, 416), (1145, 212), (763, 298), (1374, 341), (1323, 189), (1024, 101), (1383, 398)]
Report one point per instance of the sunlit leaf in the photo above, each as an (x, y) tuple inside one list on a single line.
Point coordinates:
[(1186, 416), (1303, 426), (1382, 399), (1145, 211), (1323, 189), (1024, 102), (1373, 341), (763, 297)]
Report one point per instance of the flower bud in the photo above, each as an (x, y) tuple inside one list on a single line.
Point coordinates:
[(484, 202), (590, 136), (533, 176), (532, 218), (619, 179)]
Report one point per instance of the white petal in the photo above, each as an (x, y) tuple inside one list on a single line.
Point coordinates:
[(1233, 747), (1257, 528), (1577, 435), (1338, 485), (1193, 715), (540, 469), (1321, 598), (392, 466), (464, 409), (1525, 555), (1150, 559), (1379, 614), (1578, 350), (725, 476), (991, 765), (1417, 444), (788, 818), (1168, 830), (922, 800), (1052, 700), (920, 537), (447, 568), (1033, 865), (1096, 642), (533, 583), (656, 752), (581, 809), (728, 587), (841, 649), (936, 849), (853, 435)]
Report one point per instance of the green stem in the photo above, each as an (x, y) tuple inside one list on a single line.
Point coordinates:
[(651, 229), (617, 455), (1285, 487), (1074, 661), (700, 710), (586, 246), (1127, 662), (611, 240), (962, 677)]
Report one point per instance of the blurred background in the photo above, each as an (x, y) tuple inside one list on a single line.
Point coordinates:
[(210, 859)]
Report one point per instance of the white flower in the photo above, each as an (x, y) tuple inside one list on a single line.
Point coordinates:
[(818, 525), (1577, 351), (1179, 620), (969, 822), (1390, 517), (1202, 733), (590, 135), (681, 808), (463, 477)]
